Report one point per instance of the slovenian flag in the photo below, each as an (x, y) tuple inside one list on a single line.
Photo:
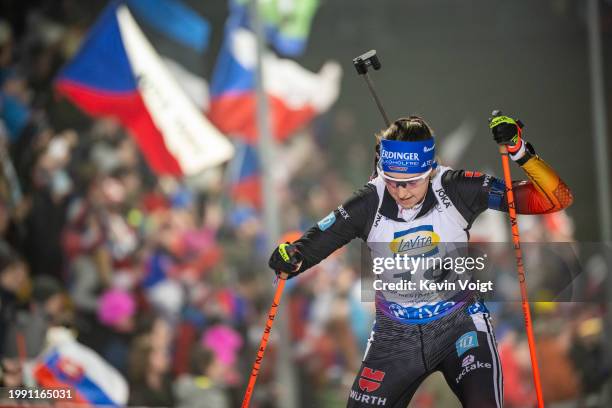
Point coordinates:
[(68, 364), (295, 95), (118, 73)]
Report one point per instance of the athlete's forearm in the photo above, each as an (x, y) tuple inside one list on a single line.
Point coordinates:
[(316, 245), (350, 220), (545, 192)]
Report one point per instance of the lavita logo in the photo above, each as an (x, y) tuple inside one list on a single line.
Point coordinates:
[(415, 241), (428, 149)]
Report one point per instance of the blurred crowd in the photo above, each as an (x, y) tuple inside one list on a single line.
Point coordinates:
[(166, 279)]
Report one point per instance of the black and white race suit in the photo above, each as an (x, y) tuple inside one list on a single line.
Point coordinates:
[(416, 333)]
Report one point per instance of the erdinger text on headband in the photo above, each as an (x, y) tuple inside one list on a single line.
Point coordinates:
[(407, 157)]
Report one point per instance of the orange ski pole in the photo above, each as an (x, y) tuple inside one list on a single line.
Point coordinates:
[(264, 340), (516, 240)]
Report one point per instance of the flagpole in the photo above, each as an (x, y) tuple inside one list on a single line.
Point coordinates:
[(598, 109), (598, 112), (266, 148)]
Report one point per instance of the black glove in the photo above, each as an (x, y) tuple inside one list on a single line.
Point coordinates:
[(286, 258), (507, 131)]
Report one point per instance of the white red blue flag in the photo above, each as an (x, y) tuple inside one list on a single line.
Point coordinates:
[(67, 364), (295, 95), (117, 73)]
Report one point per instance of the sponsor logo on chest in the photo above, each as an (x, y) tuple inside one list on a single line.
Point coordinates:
[(415, 241)]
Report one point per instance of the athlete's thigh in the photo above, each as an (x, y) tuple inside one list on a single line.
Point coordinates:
[(473, 369), (390, 373), (385, 384)]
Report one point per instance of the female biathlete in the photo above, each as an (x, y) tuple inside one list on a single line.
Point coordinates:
[(413, 197)]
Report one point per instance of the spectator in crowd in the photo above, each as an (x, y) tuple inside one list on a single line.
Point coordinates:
[(587, 352), (11, 373), (202, 387), (13, 278), (116, 312), (47, 308), (149, 374)]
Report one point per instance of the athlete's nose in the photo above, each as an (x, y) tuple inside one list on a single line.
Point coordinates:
[(405, 194)]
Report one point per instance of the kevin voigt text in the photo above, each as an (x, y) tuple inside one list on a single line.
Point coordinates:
[(428, 285)]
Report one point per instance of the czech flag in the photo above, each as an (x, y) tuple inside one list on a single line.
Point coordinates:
[(117, 73), (70, 365), (176, 21), (295, 95), (181, 37)]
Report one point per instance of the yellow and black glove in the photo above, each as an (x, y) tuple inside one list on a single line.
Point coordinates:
[(286, 258), (508, 131)]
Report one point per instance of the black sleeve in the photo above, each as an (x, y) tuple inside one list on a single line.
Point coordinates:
[(474, 192), (350, 220)]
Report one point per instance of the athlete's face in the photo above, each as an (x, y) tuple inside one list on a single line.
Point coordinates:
[(410, 193)]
